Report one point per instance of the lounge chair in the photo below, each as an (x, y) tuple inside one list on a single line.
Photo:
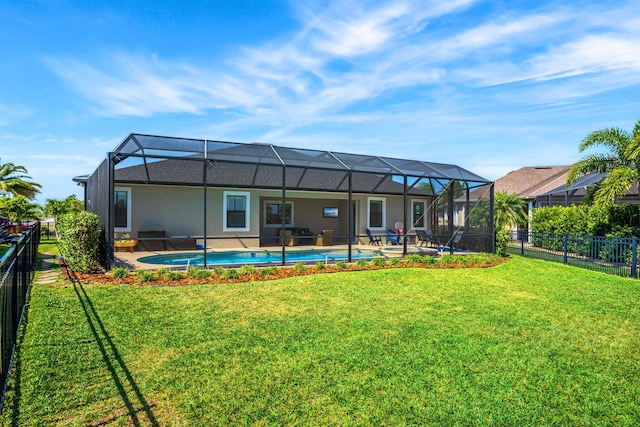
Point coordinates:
[(325, 238), (426, 237), (457, 236), (373, 240), (393, 237)]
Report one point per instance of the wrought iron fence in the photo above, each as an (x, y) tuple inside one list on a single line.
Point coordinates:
[(16, 273), (613, 255)]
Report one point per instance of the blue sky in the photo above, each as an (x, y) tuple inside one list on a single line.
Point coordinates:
[(489, 85)]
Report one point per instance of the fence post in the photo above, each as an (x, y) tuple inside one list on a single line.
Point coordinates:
[(564, 247), (522, 236), (634, 258)]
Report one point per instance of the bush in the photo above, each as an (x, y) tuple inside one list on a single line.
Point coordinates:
[(174, 275), (146, 276), (299, 266), (502, 239), (429, 260), (268, 271), (80, 236), (393, 261), (378, 261), (247, 269), (199, 273), (119, 273), (341, 264), (414, 259), (321, 265), (361, 263), (231, 273)]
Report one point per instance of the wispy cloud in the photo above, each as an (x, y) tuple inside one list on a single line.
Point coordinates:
[(346, 56)]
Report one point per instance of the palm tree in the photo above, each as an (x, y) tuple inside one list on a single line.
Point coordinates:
[(56, 208), (13, 179), (508, 210), (622, 163)]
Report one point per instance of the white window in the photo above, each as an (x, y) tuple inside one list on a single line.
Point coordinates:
[(122, 209), (273, 213), (418, 214), (376, 213), (236, 212)]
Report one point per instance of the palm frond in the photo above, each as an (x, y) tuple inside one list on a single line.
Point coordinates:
[(593, 163), (615, 139), (617, 184), (633, 148)]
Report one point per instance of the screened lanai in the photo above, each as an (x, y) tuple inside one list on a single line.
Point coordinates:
[(180, 194)]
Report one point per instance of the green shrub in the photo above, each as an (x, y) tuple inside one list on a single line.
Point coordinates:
[(361, 263), (341, 264), (247, 269), (231, 273), (299, 266), (174, 275), (320, 265), (378, 261), (449, 259), (80, 237), (429, 260), (393, 261), (414, 259), (162, 272), (219, 270), (146, 276), (502, 240), (198, 272), (268, 271), (119, 272)]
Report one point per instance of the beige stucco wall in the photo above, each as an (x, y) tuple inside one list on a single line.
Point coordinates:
[(179, 211)]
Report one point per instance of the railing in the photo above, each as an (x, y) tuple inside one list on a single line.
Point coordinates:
[(16, 273), (613, 255)]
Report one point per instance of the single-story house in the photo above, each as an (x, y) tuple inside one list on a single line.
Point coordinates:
[(178, 193)]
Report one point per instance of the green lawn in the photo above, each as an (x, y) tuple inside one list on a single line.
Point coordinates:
[(526, 343)]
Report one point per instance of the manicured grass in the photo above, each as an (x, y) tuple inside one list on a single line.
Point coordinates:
[(526, 343)]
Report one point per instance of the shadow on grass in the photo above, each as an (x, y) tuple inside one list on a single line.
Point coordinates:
[(113, 361)]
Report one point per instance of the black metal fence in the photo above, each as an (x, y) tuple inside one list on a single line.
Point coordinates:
[(16, 273), (613, 255)]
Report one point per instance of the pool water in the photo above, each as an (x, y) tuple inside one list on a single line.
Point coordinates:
[(254, 257)]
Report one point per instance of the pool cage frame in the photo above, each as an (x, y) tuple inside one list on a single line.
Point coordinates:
[(203, 163)]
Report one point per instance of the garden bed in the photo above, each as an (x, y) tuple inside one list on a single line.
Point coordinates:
[(249, 273)]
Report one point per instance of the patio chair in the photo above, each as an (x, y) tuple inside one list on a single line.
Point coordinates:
[(325, 238), (457, 236), (393, 237), (288, 238), (426, 237), (373, 240)]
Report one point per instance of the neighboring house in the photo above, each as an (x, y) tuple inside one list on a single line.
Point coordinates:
[(232, 195)]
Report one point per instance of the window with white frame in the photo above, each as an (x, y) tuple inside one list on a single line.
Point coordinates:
[(122, 209), (418, 214), (273, 213), (376, 213), (236, 212)]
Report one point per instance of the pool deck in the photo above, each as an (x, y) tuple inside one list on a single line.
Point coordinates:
[(130, 259)]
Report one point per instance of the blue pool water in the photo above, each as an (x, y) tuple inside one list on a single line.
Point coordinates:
[(253, 257)]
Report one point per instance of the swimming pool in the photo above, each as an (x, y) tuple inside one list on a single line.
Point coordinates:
[(255, 257)]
